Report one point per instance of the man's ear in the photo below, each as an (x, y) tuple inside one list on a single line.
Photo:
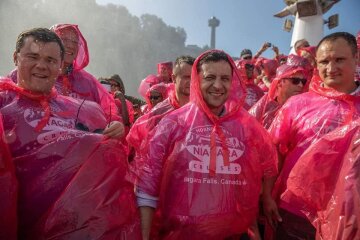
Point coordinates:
[(280, 84), (15, 58)]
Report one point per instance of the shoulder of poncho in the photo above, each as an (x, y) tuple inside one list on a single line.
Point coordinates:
[(6, 97), (302, 100), (83, 75), (185, 113), (162, 105), (245, 119)]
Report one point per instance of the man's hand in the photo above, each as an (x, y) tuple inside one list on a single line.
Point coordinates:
[(114, 130), (253, 231), (276, 50), (271, 211), (265, 46)]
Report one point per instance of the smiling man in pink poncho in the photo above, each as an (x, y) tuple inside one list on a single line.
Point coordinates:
[(332, 101), (203, 172), (71, 182)]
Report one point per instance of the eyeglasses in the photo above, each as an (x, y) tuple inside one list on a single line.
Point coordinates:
[(247, 58), (154, 97), (296, 80)]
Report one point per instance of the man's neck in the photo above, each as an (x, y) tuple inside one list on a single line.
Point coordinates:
[(220, 111), (182, 99)]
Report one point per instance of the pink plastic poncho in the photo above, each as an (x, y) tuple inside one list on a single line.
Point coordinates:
[(8, 190), (310, 50), (147, 122), (266, 108), (205, 169), (326, 183), (269, 67), (80, 84), (253, 92), (165, 65), (72, 183), (146, 83), (162, 88), (303, 120)]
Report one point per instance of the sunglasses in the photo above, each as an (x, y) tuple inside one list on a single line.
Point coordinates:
[(154, 97), (296, 80), (247, 58)]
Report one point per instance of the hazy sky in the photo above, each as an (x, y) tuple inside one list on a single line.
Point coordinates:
[(243, 23)]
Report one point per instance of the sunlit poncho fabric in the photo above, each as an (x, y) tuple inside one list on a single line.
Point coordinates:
[(80, 84), (146, 83), (303, 120), (325, 182), (205, 169), (71, 183)]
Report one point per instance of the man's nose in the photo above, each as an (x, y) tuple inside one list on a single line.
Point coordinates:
[(217, 83), (41, 63), (331, 66)]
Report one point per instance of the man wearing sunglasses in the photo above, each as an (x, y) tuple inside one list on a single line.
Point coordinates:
[(333, 100), (290, 80)]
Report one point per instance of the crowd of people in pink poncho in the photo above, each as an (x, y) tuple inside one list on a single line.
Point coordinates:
[(220, 147)]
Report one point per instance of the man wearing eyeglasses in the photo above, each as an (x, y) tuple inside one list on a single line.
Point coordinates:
[(290, 80), (333, 100)]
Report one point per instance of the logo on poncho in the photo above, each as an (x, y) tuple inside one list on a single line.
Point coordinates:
[(55, 129), (198, 144)]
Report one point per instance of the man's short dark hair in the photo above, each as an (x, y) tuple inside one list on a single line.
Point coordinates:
[(246, 52), (212, 56), (182, 59), (348, 37), (42, 35)]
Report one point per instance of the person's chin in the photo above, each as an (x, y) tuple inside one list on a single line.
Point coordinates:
[(332, 81)]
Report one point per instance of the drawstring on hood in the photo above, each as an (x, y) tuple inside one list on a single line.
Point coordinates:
[(43, 99), (232, 105)]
